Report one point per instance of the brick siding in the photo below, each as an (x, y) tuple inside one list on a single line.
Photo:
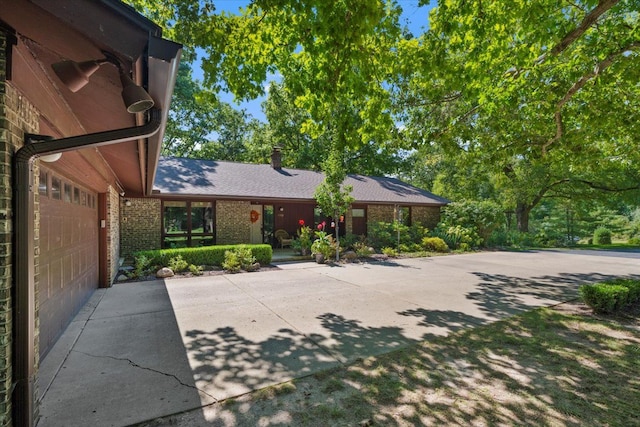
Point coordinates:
[(140, 226), (232, 222), (113, 233), (17, 116), (379, 213), (428, 216)]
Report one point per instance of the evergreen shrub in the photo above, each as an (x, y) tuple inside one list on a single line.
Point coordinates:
[(205, 255), (607, 297), (602, 236)]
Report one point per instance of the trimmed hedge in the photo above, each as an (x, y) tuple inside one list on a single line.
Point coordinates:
[(602, 236), (608, 297), (206, 255)]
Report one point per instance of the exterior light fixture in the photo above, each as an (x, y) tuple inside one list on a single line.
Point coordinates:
[(30, 138), (127, 202), (75, 76)]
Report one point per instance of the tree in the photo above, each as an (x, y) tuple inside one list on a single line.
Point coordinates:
[(332, 196), (539, 94)]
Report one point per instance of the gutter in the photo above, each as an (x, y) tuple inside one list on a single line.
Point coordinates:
[(24, 263)]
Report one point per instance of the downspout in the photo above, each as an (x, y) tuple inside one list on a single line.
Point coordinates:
[(24, 270)]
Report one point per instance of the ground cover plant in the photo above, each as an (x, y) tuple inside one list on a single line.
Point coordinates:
[(563, 366)]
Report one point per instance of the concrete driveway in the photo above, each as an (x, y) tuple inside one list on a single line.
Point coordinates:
[(145, 350)]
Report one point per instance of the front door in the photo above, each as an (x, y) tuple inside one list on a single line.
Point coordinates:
[(256, 223)]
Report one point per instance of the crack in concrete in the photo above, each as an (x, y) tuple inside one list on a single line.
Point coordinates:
[(135, 365)]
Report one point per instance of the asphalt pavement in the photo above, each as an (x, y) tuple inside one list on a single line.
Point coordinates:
[(139, 351)]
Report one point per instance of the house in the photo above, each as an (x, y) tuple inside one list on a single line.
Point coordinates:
[(202, 202), (85, 88)]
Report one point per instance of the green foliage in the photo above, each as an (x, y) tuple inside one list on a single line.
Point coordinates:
[(362, 249), (608, 297), (458, 237), (240, 258), (383, 234), (178, 264), (207, 255), (482, 216), (231, 262), (390, 252), (602, 236), (323, 244), (303, 242), (349, 241), (434, 244), (196, 270), (142, 265)]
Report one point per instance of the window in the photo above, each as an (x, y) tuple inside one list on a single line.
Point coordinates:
[(67, 192), (43, 186), (56, 190), (76, 196), (357, 213), (403, 215), (187, 224)]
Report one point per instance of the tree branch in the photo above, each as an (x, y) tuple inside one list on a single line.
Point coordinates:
[(603, 187), (589, 19), (579, 85)]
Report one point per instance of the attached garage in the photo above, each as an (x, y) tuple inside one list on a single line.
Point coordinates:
[(69, 248), (85, 88)]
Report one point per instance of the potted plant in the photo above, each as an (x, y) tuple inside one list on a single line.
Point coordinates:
[(304, 238), (323, 247)]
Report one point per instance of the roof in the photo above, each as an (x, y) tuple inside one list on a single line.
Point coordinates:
[(232, 180), (49, 31)]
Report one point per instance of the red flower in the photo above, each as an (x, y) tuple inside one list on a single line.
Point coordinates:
[(301, 222)]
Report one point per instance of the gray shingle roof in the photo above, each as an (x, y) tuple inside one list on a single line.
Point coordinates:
[(221, 179)]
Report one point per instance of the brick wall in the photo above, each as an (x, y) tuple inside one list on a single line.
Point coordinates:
[(428, 216), (6, 150), (232, 222), (17, 116), (379, 213), (113, 233), (140, 226)]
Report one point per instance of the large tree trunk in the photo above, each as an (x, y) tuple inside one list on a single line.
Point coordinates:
[(522, 216)]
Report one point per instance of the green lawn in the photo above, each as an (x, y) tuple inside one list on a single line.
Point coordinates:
[(543, 368)]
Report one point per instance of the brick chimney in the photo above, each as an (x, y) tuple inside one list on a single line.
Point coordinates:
[(276, 158)]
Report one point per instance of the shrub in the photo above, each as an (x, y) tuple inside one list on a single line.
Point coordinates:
[(604, 297), (386, 234), (349, 241), (142, 265), (231, 262), (206, 255), (602, 236), (196, 270), (362, 249), (238, 259), (635, 240), (632, 285), (458, 237), (483, 217), (178, 264), (324, 244), (434, 244), (391, 252)]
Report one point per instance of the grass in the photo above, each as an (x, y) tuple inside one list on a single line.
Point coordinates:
[(613, 246), (543, 368)]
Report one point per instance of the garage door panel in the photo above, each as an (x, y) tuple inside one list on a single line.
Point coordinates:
[(68, 264)]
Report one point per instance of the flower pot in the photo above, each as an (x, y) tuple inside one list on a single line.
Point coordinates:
[(320, 258)]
